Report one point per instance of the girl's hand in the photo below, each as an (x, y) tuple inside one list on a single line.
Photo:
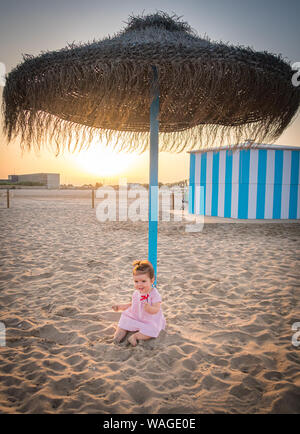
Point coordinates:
[(115, 307), (146, 307), (152, 309)]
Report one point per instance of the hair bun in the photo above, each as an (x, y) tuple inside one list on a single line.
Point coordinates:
[(142, 267)]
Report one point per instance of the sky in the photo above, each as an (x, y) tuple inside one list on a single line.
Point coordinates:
[(33, 26)]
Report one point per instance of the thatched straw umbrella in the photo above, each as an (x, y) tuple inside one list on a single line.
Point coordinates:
[(202, 93)]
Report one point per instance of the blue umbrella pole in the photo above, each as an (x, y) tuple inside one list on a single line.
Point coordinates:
[(153, 175)]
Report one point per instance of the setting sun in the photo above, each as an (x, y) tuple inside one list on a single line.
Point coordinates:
[(103, 161)]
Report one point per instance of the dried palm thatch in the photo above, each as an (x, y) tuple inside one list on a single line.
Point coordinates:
[(210, 93)]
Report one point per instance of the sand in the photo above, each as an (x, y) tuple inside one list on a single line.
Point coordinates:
[(230, 298)]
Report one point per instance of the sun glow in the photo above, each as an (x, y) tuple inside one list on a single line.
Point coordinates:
[(103, 161)]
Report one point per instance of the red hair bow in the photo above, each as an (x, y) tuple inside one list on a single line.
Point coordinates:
[(144, 297)]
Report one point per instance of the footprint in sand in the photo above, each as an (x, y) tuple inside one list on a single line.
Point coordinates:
[(6, 276), (51, 334), (70, 268), (211, 383), (32, 276), (139, 392), (93, 264), (273, 376), (67, 311), (245, 362)]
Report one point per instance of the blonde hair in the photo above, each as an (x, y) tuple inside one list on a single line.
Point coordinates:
[(141, 267)]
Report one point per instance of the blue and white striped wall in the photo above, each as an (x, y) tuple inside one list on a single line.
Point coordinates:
[(260, 183)]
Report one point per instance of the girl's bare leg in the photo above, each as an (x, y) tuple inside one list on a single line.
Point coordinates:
[(119, 335), (137, 337)]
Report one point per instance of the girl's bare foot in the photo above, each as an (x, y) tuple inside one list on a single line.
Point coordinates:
[(119, 335), (132, 340)]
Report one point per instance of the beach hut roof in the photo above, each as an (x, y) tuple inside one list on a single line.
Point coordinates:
[(248, 145), (210, 92)]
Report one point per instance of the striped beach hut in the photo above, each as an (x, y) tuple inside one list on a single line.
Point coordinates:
[(256, 181)]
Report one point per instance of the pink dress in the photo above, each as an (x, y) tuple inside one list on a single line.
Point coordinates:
[(135, 318)]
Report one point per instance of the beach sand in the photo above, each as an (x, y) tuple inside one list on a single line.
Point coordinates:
[(230, 297)]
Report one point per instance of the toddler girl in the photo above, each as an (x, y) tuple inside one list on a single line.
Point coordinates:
[(143, 314)]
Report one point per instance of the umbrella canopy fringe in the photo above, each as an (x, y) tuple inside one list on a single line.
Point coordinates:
[(40, 129)]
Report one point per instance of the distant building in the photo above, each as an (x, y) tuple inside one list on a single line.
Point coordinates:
[(50, 180), (12, 178)]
